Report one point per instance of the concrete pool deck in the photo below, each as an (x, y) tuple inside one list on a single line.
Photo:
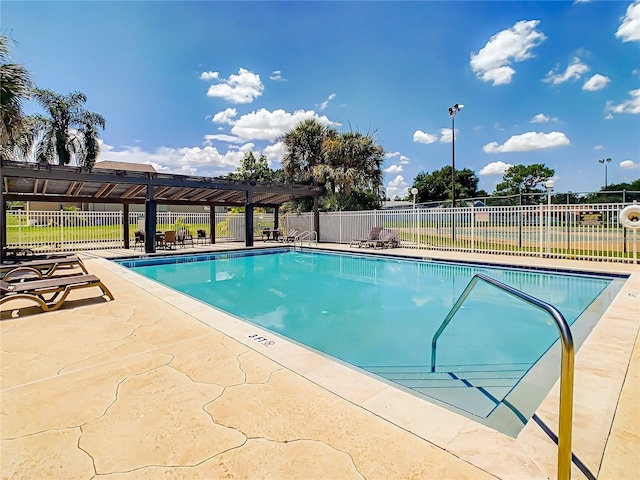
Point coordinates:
[(157, 385)]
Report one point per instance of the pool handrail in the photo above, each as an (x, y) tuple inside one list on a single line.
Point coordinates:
[(565, 419), (308, 235)]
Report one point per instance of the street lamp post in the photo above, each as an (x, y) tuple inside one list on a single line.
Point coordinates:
[(605, 162), (452, 113), (549, 184)]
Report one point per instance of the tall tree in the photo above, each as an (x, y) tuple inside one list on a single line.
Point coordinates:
[(68, 131), (348, 165), (15, 87), (305, 150), (436, 186), (353, 160), (253, 169), (524, 179)]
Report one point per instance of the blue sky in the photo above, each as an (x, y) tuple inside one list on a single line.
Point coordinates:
[(191, 86)]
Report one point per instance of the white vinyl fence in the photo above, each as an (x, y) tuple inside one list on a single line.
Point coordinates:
[(591, 232)]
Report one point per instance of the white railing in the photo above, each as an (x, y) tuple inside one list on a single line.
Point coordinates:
[(591, 232)]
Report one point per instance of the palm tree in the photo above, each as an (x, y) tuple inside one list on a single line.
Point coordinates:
[(354, 160), (305, 150), (15, 85), (69, 131)]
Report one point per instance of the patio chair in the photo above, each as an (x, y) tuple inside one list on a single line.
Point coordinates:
[(44, 268), (183, 237), (374, 235), (202, 236), (387, 239), (139, 239), (50, 293), (169, 240), (290, 236)]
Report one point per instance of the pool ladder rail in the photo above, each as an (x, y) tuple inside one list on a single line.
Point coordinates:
[(307, 235), (565, 420)]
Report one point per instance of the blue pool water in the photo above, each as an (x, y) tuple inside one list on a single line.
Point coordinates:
[(379, 314)]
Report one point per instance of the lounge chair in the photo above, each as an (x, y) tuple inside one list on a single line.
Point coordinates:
[(45, 268), (56, 289), (290, 236), (387, 239), (374, 235)]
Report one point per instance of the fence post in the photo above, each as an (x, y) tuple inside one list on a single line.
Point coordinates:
[(540, 222), (61, 228), (473, 228)]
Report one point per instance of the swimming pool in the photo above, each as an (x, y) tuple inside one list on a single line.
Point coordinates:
[(495, 361)]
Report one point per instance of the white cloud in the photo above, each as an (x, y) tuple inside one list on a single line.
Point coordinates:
[(277, 76), (572, 73), (404, 160), (598, 147), (397, 187), (391, 154), (242, 88), (629, 164), (324, 104), (422, 137), (393, 169), (183, 161), (225, 116), (209, 76), (596, 82), (445, 135), (495, 168), (529, 141), (223, 137), (266, 125), (492, 62), (630, 106), (274, 152), (629, 30), (542, 118)]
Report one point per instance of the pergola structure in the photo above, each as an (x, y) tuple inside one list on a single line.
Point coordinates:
[(43, 182)]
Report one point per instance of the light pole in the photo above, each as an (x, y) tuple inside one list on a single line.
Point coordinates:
[(605, 162), (549, 184), (414, 192), (452, 113)]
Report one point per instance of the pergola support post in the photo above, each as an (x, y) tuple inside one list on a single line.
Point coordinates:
[(3, 228), (316, 217), (248, 220), (212, 224), (150, 221), (125, 224)]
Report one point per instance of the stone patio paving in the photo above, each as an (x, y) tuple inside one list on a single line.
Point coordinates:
[(146, 387)]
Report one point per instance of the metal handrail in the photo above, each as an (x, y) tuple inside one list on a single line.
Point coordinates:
[(306, 235), (566, 369)]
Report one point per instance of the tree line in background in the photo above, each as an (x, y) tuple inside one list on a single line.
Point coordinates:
[(521, 184), (348, 165)]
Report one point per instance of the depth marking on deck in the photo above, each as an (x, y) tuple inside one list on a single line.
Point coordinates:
[(261, 340)]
